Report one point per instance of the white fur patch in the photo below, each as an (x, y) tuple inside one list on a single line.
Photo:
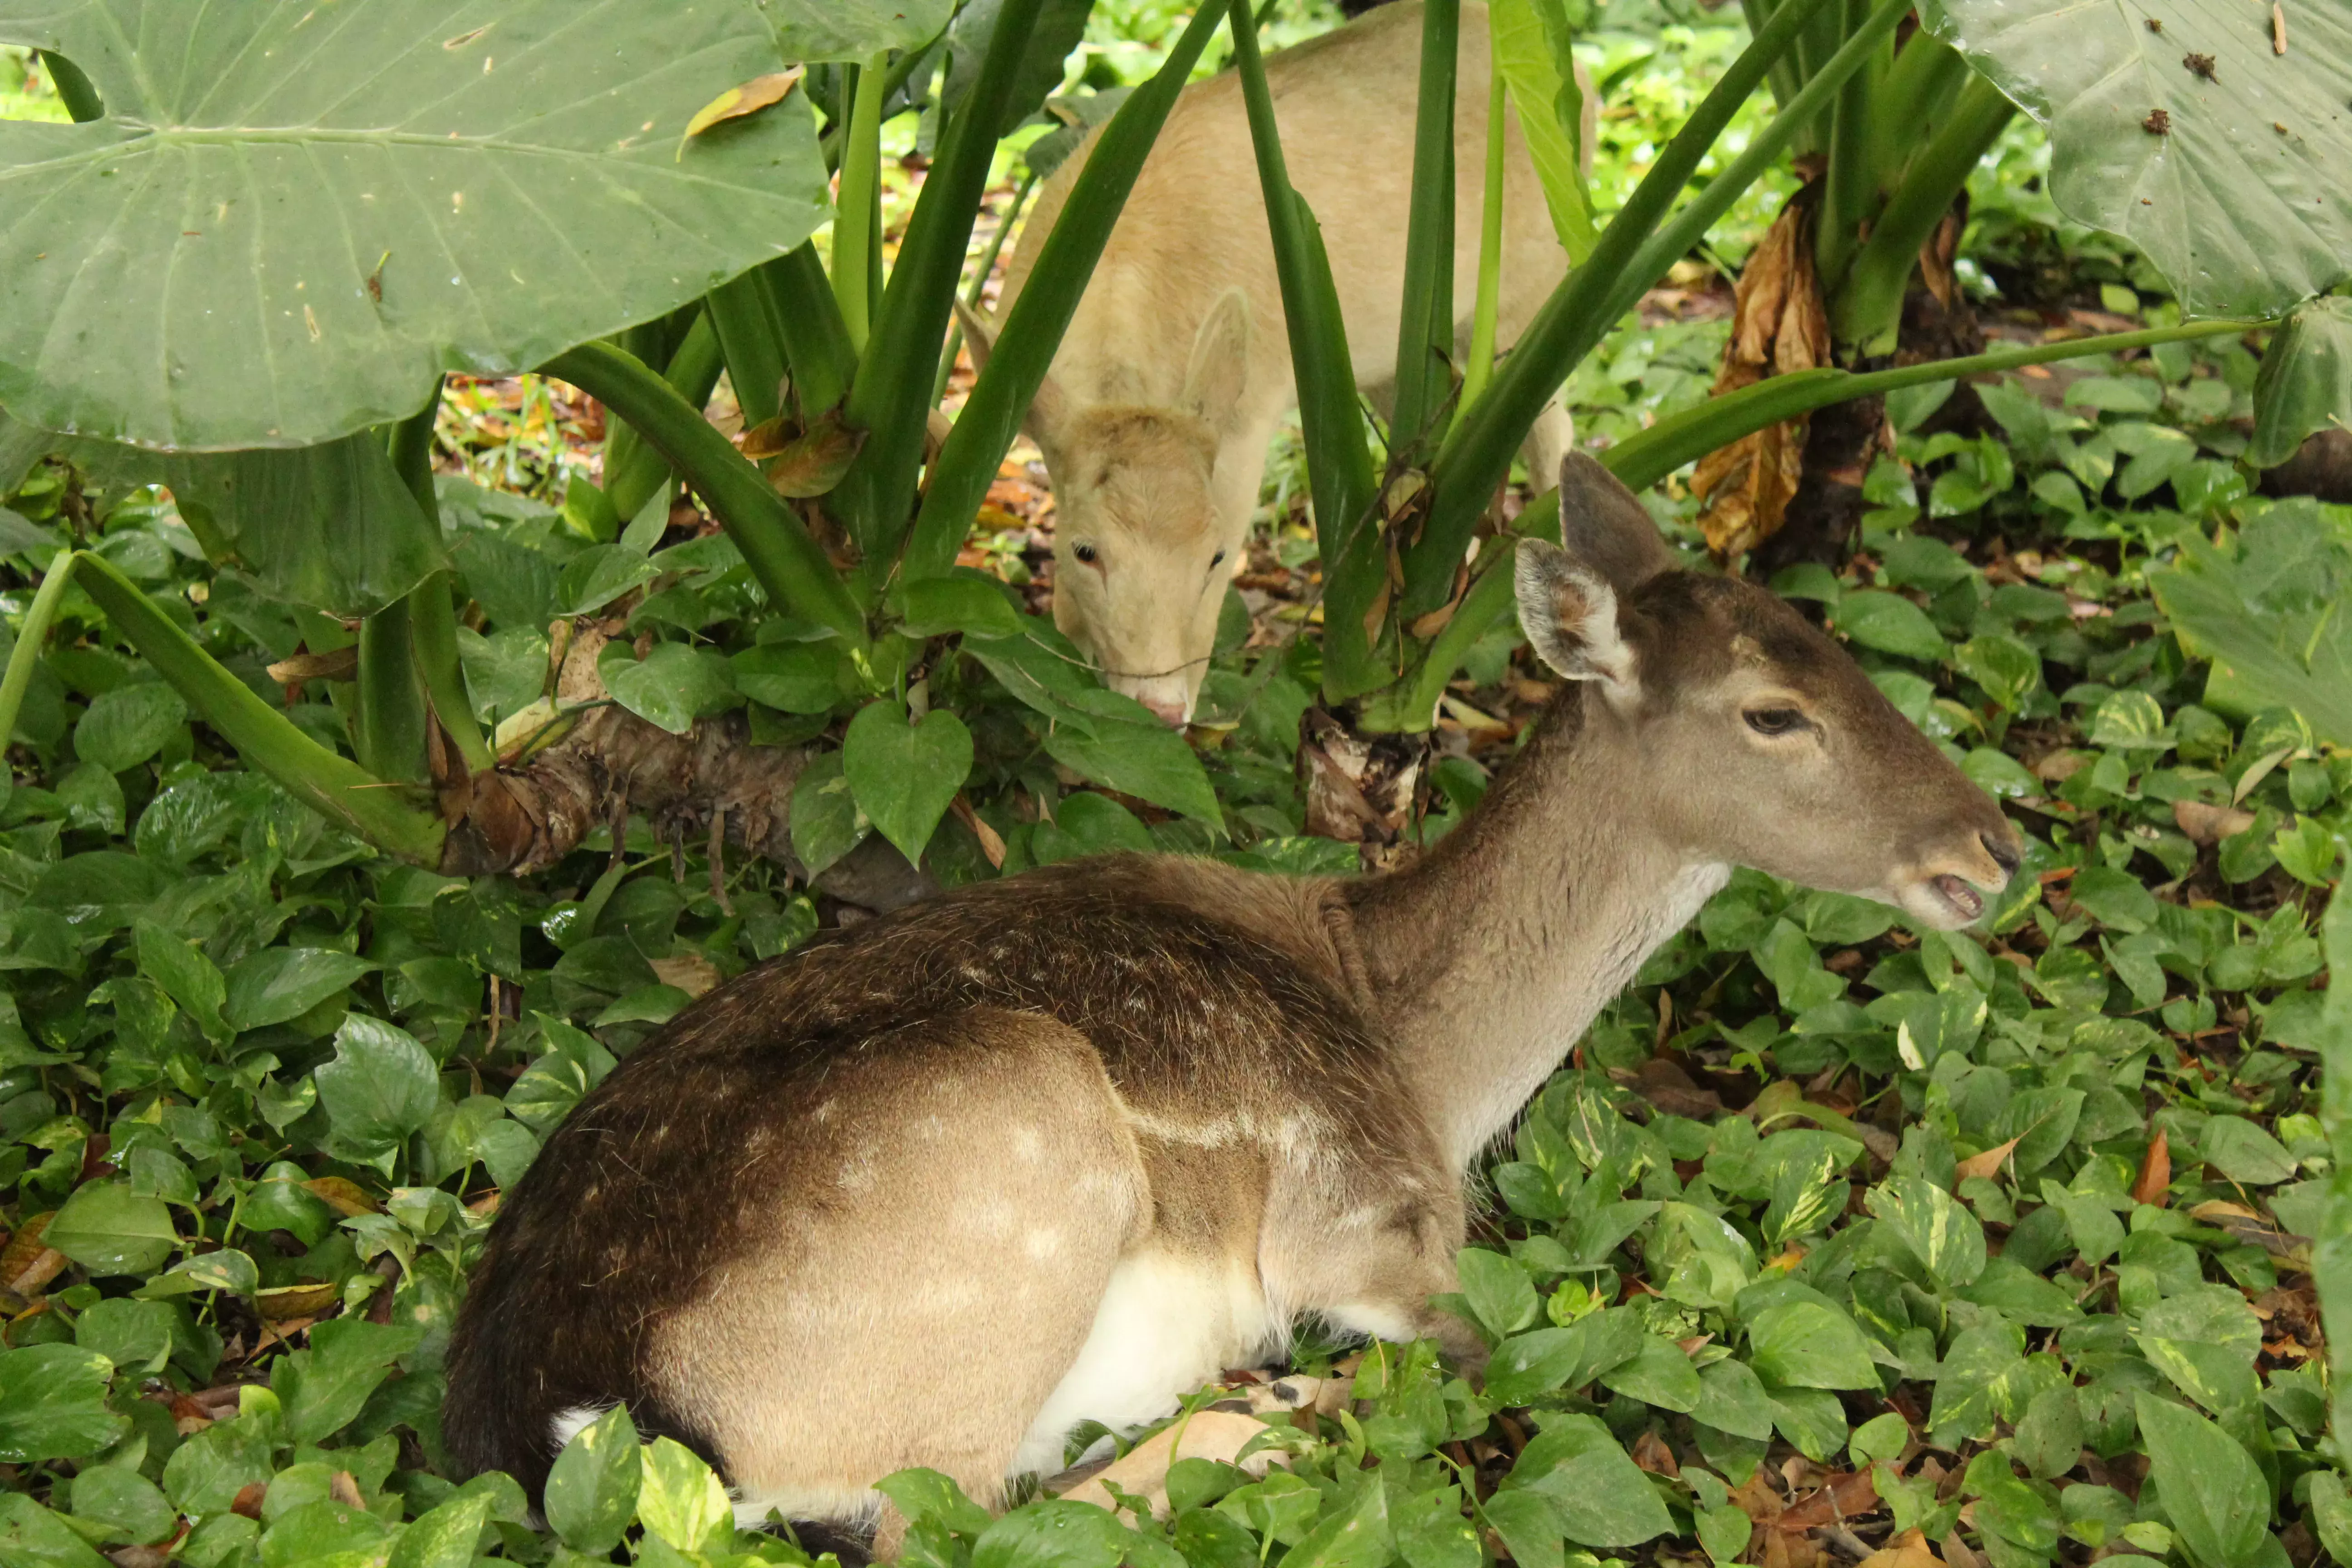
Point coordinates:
[(568, 1423), (1164, 1327)]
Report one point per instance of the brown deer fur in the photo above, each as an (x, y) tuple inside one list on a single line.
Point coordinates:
[(929, 1190)]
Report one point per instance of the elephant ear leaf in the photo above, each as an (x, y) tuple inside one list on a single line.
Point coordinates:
[(2212, 134), (162, 301)]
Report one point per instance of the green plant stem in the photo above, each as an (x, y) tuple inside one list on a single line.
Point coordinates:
[(1912, 98), (634, 471), (1425, 311), (1477, 454), (1866, 310), (1853, 195), (432, 616), (781, 556), (979, 284), (1340, 468), (902, 70), (739, 312), (860, 193), (75, 90), (31, 637), (1689, 227), (877, 497), (1479, 369), (1644, 460), (1030, 335), (390, 732), (817, 349), (334, 787)]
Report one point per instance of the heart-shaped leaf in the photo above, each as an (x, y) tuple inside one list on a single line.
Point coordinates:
[(903, 775), (162, 300), (2190, 127)]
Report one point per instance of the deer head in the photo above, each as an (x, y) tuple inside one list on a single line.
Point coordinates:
[(1761, 741), (1142, 550)]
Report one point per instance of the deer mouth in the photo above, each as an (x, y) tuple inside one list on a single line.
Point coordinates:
[(1963, 899)]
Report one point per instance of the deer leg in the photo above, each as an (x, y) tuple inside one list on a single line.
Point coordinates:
[(1372, 1267)]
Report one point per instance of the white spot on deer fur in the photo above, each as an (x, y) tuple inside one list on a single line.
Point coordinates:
[(1042, 1243), (1027, 1144), (1164, 1326), (568, 1423)]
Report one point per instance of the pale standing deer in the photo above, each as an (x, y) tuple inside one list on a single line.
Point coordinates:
[(1175, 373), (932, 1190)]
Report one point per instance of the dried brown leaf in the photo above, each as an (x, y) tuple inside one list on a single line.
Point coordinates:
[(2210, 823), (289, 1302), (1987, 1164), (336, 664), (813, 462), (2154, 1172), (738, 102), (691, 973), (1909, 1549), (346, 1197)]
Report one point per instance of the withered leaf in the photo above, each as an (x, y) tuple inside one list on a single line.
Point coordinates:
[(738, 102), (288, 1301), (812, 462)]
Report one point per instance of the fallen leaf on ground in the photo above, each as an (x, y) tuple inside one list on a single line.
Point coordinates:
[(2210, 823), (691, 973), (1987, 1164), (346, 1197), (288, 1301), (2154, 1172), (1909, 1549)]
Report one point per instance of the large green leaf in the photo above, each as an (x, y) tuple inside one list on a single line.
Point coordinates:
[(2176, 124), (53, 1404), (2267, 610), (1531, 47), (2306, 380), (853, 29), (205, 267)]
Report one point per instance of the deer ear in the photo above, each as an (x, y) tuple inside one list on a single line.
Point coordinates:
[(1045, 409), (1570, 614), (1220, 363), (1604, 526)]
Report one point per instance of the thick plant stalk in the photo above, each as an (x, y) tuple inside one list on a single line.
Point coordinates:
[(978, 286), (1675, 240), (1477, 454), (738, 310), (634, 471), (1338, 461), (1425, 313), (816, 339), (432, 616), (335, 787), (861, 189), (1479, 369), (30, 640), (1854, 139), (1028, 337), (877, 497), (1913, 96), (389, 731), (782, 557), (1866, 312)]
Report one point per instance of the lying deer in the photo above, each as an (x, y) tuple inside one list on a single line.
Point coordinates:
[(934, 1189), (1175, 373)]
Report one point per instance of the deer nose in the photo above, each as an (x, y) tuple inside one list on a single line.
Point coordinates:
[(1169, 710), (2004, 852)]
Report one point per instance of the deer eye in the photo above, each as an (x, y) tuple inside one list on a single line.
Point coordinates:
[(1085, 552), (1774, 720)]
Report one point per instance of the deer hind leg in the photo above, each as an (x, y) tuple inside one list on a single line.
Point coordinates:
[(930, 1265)]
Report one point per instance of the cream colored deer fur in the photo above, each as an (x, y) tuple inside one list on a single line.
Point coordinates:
[(1175, 373)]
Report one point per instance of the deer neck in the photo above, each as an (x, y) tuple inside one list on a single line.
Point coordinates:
[(1488, 958)]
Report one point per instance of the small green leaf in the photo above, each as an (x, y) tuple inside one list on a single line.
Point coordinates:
[(53, 1404), (323, 1386), (904, 776), (592, 1492), (1807, 1344), (680, 1500), (1497, 1289), (32, 1537), (826, 823), (2243, 1151), (276, 984), (124, 1501), (124, 727), (1889, 623), (186, 976), (379, 1087), (794, 678), (108, 1230), (445, 1536), (1943, 1235), (2217, 1500)]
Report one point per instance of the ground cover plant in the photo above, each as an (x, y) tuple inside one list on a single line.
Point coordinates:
[(1834, 1241)]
